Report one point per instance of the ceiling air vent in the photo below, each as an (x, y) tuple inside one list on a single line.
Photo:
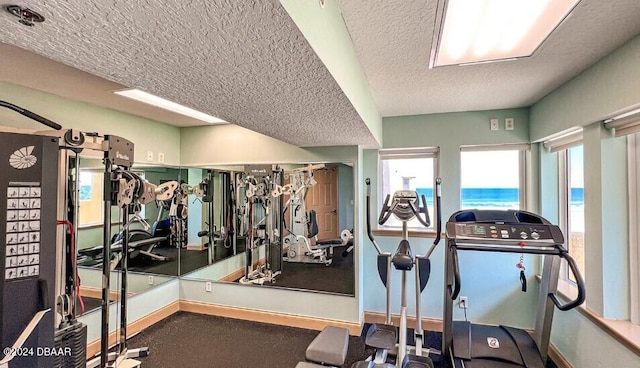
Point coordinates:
[(27, 16)]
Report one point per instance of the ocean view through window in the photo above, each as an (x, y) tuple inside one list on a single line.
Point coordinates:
[(412, 171), (575, 206), (490, 179)]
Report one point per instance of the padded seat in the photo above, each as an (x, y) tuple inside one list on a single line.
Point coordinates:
[(329, 347)]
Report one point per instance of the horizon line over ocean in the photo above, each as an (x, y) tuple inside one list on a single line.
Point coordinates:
[(496, 197)]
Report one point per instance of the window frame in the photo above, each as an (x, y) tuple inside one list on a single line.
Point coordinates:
[(100, 183), (564, 203), (400, 154), (633, 162), (100, 198)]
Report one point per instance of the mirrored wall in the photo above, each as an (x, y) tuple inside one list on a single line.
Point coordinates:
[(153, 258), (273, 225)]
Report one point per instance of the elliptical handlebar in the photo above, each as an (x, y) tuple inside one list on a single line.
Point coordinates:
[(368, 206), (386, 211), (438, 209), (426, 222)]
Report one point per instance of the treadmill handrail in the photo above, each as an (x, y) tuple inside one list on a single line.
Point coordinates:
[(368, 206), (580, 283), (456, 273)]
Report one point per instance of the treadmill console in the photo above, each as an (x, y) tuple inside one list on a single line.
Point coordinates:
[(531, 234)]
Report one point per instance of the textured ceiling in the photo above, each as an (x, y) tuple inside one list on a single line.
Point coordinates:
[(244, 62), (393, 41), (247, 62)]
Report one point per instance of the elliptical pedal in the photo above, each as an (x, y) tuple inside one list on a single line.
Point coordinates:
[(381, 336), (415, 361)]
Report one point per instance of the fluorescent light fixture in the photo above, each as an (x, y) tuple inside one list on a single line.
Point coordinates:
[(162, 103), (476, 31)]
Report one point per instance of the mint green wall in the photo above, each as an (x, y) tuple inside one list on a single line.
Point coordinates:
[(604, 90), (586, 345), (606, 231), (449, 132), (609, 86), (327, 34), (138, 306), (147, 135), (210, 146), (490, 281), (195, 221)]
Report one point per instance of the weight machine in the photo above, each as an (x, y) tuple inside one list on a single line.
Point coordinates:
[(39, 187), (128, 192), (302, 226), (263, 186)]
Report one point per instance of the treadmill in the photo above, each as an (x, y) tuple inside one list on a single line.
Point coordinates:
[(470, 345)]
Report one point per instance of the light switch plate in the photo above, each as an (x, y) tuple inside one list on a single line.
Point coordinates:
[(494, 124), (509, 123)]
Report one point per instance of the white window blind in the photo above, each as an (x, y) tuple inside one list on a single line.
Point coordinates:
[(625, 124), (496, 147), (400, 153), (564, 141)]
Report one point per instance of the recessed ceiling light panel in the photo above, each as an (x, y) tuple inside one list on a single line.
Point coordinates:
[(162, 103), (480, 31)]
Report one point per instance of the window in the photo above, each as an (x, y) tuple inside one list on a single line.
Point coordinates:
[(628, 125), (413, 169), (568, 146), (90, 183), (573, 204), (492, 177)]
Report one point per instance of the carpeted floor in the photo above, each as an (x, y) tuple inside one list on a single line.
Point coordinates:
[(190, 340), (193, 340)]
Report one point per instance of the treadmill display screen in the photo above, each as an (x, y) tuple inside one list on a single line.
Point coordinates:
[(479, 230)]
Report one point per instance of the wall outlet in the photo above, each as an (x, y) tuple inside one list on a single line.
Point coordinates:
[(150, 280), (463, 302), (160, 157), (509, 123), (207, 286), (494, 123), (149, 155)]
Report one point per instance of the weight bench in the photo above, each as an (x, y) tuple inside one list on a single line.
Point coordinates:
[(141, 246), (329, 348)]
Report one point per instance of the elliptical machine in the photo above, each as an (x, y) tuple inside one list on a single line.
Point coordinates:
[(383, 337)]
